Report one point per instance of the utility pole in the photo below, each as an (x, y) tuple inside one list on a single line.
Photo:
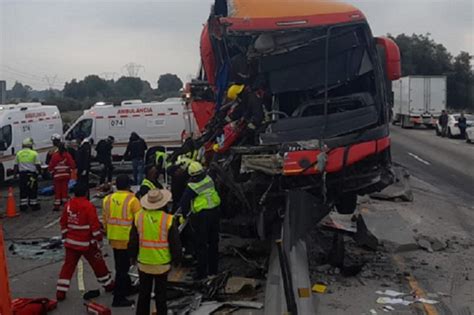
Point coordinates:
[(132, 69), (50, 80)]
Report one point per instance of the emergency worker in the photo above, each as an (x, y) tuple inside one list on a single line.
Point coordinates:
[(135, 152), (202, 199), (61, 166), (249, 106), (55, 140), (83, 160), (154, 240), (119, 209), (178, 172), (160, 161), (104, 157), (81, 232), (28, 165), (150, 182)]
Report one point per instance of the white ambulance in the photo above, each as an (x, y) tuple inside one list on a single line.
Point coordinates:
[(158, 123), (23, 120)]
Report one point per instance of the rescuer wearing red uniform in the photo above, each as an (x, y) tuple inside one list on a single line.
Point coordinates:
[(81, 232), (61, 165)]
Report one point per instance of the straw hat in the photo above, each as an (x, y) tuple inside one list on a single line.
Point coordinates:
[(156, 199)]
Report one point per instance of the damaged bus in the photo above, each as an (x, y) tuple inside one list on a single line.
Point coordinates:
[(327, 101)]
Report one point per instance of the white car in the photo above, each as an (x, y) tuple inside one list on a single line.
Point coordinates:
[(470, 134), (453, 129)]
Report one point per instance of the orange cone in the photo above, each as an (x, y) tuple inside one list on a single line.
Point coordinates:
[(11, 204)]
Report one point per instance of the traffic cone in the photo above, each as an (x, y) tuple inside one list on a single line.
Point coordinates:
[(11, 204)]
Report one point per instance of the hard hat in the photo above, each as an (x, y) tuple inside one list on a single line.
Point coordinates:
[(195, 168), (28, 142), (234, 91), (56, 136)]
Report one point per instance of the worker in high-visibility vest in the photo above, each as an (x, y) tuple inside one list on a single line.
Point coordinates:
[(202, 199), (119, 210), (154, 240), (28, 165), (149, 182)]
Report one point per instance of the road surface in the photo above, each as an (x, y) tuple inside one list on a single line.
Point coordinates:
[(446, 163)]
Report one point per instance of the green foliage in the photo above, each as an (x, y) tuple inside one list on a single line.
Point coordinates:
[(169, 83), (19, 92), (421, 55), (128, 87)]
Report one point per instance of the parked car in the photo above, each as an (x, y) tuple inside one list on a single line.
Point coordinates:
[(453, 129), (470, 134)]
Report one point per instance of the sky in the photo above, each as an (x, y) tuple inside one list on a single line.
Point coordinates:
[(44, 43)]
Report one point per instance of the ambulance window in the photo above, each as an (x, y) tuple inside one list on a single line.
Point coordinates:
[(5, 137), (82, 129)]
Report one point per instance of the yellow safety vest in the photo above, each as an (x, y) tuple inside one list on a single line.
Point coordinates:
[(120, 216), (148, 183), (27, 159), (153, 227), (164, 156), (207, 196)]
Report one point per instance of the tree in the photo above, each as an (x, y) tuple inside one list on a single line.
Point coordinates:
[(461, 82), (128, 87), (75, 90), (421, 55), (96, 87), (19, 91), (169, 83)]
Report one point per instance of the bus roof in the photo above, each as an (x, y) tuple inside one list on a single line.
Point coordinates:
[(247, 15)]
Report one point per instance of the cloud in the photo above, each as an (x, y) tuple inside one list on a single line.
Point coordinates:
[(73, 38)]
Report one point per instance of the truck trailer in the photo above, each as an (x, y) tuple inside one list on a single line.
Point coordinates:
[(418, 100)]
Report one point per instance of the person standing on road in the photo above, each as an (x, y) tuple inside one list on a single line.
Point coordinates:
[(56, 141), (104, 156), (462, 125), (28, 165), (81, 232), (154, 242), (443, 122), (61, 166), (135, 152), (149, 182), (83, 161), (119, 210), (202, 198)]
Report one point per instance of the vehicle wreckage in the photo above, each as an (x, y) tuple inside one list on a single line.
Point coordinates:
[(325, 82)]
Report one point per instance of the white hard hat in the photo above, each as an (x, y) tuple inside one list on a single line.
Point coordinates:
[(55, 136)]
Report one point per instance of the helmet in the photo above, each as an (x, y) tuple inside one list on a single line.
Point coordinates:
[(234, 91), (28, 142), (56, 137), (195, 168)]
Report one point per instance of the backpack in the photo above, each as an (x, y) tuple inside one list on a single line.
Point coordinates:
[(39, 306)]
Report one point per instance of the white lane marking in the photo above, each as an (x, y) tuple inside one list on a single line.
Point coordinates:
[(419, 159), (47, 226)]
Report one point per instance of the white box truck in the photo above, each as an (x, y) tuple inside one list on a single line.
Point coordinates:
[(418, 100), (19, 121), (158, 123)]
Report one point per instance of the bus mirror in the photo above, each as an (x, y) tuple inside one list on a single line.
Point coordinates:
[(392, 58)]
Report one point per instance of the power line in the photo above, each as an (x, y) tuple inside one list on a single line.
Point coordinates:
[(132, 69)]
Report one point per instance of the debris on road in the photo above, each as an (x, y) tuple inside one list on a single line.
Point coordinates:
[(341, 222), (400, 190), (319, 288), (391, 293), (238, 284), (38, 249), (390, 230), (393, 301), (431, 244)]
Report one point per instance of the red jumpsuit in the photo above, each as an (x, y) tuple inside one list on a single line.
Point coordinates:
[(82, 233), (61, 165)]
